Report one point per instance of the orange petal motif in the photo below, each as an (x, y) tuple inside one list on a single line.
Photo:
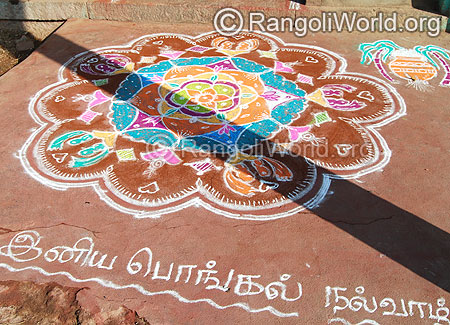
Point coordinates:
[(238, 179), (247, 79), (248, 44), (209, 91), (205, 98), (210, 104), (227, 45), (236, 184), (221, 97), (192, 92)]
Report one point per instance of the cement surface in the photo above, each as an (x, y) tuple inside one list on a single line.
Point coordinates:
[(178, 11), (383, 235)]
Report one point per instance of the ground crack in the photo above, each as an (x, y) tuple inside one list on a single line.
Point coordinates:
[(7, 230), (361, 223), (251, 224)]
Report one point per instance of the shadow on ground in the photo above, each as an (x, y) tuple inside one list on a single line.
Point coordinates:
[(19, 38), (441, 7), (427, 5), (9, 55)]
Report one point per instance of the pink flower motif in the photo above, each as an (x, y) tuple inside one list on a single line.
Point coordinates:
[(165, 154), (270, 95), (153, 120), (226, 129)]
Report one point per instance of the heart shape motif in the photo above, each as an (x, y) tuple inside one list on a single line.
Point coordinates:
[(310, 59), (59, 157), (149, 188), (366, 95), (343, 149)]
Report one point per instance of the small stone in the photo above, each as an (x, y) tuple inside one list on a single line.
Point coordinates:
[(24, 44)]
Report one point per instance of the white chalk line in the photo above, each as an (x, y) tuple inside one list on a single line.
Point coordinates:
[(142, 290), (345, 322)]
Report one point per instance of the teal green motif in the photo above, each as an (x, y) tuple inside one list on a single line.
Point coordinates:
[(100, 149), (58, 143)]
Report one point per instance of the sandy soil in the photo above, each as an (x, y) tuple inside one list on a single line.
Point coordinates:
[(9, 56), (13, 30), (31, 303)]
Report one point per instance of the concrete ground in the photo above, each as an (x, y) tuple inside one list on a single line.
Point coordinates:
[(375, 250), (178, 11)]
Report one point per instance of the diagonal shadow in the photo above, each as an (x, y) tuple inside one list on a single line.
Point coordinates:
[(398, 234), (14, 29), (441, 7), (426, 5)]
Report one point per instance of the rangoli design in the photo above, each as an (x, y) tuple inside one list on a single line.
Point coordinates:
[(417, 66), (247, 126)]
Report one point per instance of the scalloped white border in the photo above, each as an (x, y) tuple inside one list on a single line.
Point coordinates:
[(198, 201)]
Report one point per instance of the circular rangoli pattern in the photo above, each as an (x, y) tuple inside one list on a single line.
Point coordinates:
[(246, 126)]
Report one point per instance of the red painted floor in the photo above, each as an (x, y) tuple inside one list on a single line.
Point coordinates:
[(375, 249)]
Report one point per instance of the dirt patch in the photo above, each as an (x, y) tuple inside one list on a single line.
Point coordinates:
[(19, 38), (9, 55), (31, 303)]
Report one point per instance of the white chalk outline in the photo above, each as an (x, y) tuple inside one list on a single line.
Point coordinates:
[(142, 290)]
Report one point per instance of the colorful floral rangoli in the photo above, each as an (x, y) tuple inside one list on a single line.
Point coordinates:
[(247, 127)]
